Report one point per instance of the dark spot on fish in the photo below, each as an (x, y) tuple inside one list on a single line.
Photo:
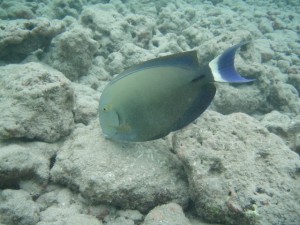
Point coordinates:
[(198, 78)]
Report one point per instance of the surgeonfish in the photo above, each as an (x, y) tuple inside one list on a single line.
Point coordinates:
[(156, 97)]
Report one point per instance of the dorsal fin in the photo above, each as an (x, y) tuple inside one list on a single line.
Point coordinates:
[(184, 60)]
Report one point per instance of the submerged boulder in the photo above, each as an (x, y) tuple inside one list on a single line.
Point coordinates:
[(36, 103), (132, 176), (239, 172)]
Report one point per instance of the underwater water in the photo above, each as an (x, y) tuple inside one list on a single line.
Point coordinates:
[(236, 164)]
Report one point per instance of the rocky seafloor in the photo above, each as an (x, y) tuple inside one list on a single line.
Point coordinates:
[(237, 164)]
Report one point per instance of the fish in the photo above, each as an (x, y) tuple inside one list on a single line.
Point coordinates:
[(162, 95)]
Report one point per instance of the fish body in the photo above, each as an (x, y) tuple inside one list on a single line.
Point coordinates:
[(154, 98)]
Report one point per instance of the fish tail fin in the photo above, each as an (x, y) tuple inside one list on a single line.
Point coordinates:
[(222, 67)]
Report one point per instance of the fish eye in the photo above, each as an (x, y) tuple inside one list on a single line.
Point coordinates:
[(105, 108)]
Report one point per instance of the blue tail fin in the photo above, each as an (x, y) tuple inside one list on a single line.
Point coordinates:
[(222, 67)]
